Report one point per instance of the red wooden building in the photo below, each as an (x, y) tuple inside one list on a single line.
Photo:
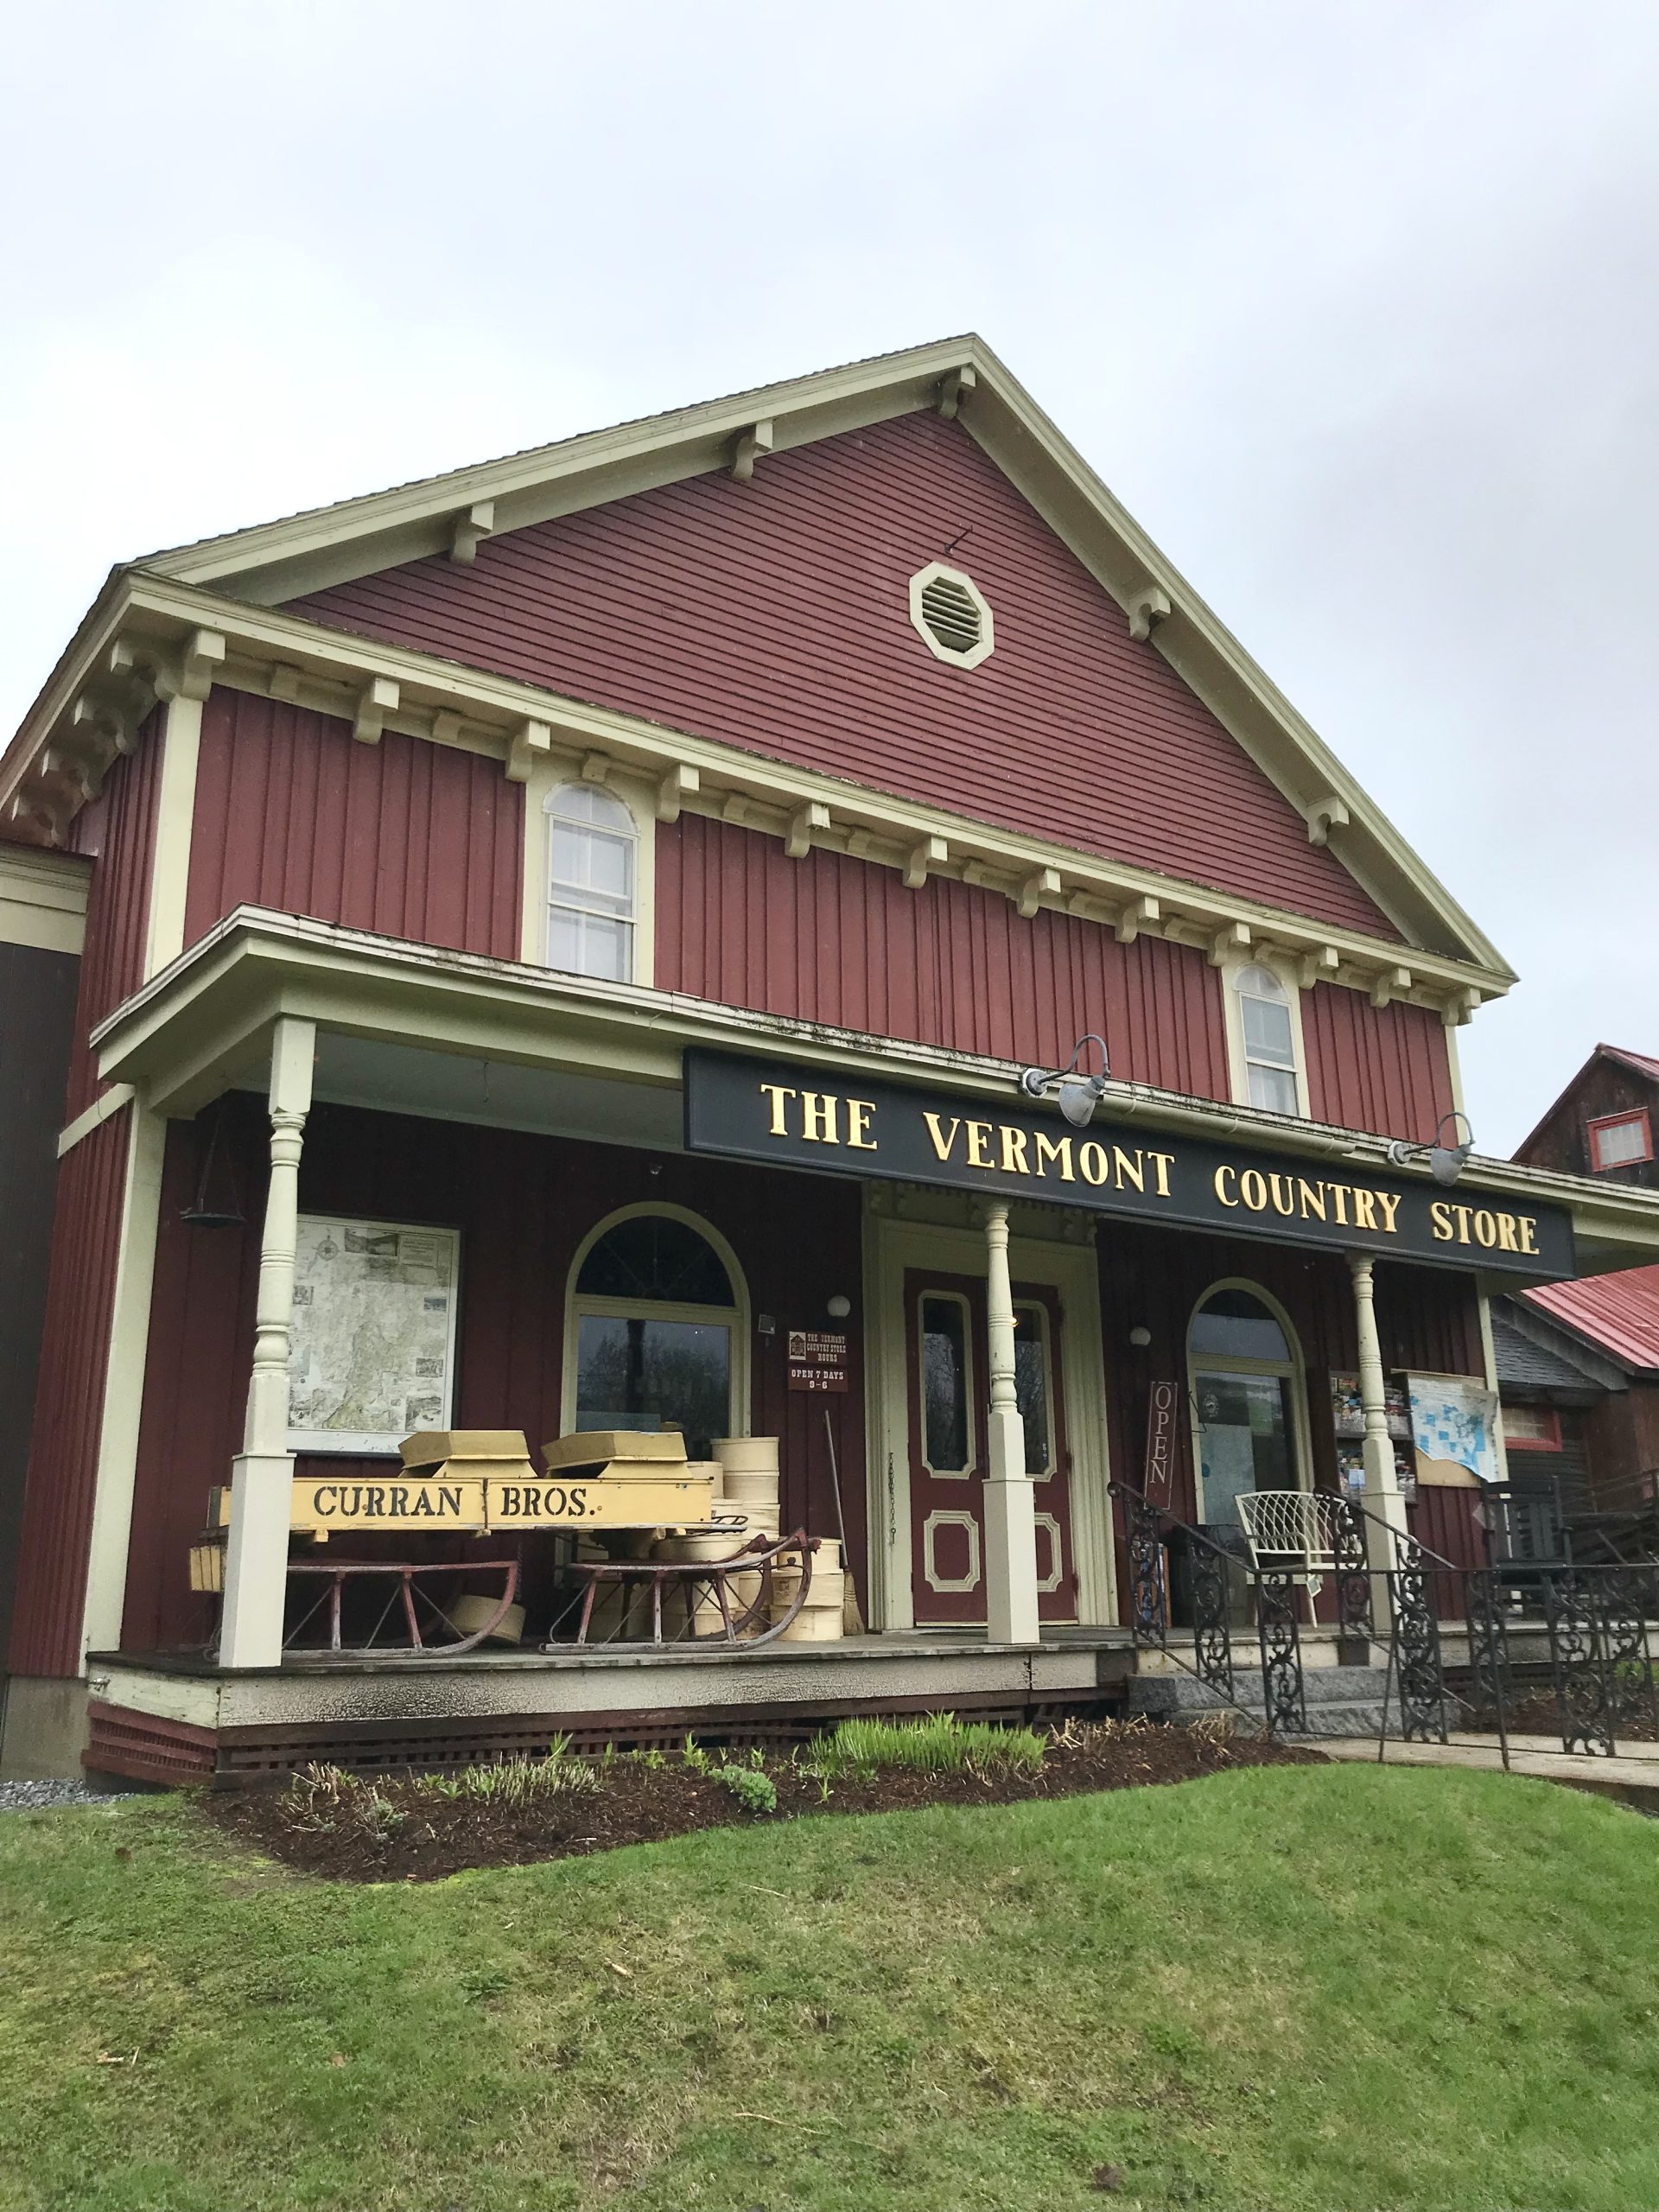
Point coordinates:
[(469, 865)]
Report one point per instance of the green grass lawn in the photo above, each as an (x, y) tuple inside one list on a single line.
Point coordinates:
[(1324, 1989)]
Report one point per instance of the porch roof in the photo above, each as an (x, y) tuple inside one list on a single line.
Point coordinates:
[(395, 1017)]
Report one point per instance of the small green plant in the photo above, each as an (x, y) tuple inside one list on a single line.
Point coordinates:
[(515, 1783), (936, 1743), (652, 1760), (695, 1758), (753, 1789)]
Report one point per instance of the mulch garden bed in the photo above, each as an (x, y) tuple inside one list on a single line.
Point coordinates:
[(1539, 1715), (421, 1835)]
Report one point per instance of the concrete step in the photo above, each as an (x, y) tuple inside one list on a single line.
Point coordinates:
[(1178, 1693)]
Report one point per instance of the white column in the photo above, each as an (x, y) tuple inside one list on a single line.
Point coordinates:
[(1383, 1500), (1010, 1510), (255, 1570)]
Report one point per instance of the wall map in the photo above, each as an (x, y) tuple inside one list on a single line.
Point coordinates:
[(371, 1345)]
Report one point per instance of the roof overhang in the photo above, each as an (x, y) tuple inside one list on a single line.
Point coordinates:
[(304, 552), (156, 638), (203, 1025)]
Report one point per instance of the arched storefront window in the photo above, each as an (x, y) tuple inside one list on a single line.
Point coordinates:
[(1245, 1368), (658, 1331)]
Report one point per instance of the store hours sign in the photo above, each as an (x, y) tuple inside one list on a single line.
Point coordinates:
[(804, 1117)]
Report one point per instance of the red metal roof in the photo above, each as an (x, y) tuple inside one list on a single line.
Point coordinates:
[(1619, 1313), (1639, 1061)]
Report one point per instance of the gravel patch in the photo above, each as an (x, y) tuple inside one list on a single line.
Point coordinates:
[(43, 1796)]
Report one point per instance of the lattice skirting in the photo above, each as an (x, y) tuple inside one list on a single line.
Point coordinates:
[(142, 1747)]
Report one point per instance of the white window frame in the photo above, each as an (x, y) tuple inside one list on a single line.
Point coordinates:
[(547, 779), (1238, 1065)]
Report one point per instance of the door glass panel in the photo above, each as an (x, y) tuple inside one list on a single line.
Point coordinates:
[(944, 1384), (1031, 1385), (642, 1374), (1243, 1439)]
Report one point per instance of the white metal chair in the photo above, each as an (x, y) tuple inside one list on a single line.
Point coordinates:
[(1294, 1532)]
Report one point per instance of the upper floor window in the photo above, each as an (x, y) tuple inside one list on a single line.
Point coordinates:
[(1620, 1140), (592, 869), (1269, 1036)]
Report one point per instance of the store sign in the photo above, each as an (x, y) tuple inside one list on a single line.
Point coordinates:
[(817, 1359), (801, 1117), (478, 1504), (1157, 1482)]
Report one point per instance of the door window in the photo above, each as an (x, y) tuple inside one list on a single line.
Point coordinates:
[(947, 1384), (1032, 1387), (1245, 1368)]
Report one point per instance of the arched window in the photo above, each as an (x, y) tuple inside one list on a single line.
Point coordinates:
[(1269, 1036), (1245, 1368), (658, 1331), (592, 882)]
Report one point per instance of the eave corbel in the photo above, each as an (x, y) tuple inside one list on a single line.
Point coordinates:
[(1043, 882), (530, 742), (283, 683), (1390, 983), (926, 854), (983, 877), (1147, 610), (202, 658), (31, 815), (596, 767), (1132, 917), (681, 783), (865, 845), (953, 388), (377, 699), (806, 823), (747, 445), (1318, 966), (738, 809), (469, 528), (1461, 1008), (1324, 815), (1230, 942)]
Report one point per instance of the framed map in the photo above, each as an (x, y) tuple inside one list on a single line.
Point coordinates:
[(1454, 1426), (371, 1346)]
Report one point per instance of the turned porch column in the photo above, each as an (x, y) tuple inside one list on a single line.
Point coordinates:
[(1381, 1496), (255, 1568), (1010, 1509)]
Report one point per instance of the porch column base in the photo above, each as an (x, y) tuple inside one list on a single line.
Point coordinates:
[(1010, 1541), (256, 1566)]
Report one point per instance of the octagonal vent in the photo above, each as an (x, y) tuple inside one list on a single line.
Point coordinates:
[(951, 615)]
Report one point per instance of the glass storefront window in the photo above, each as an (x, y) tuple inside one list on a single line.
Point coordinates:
[(648, 1373)]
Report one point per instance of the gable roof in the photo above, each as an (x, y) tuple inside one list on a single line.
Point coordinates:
[(322, 548), (1638, 1063), (1619, 1313), (1539, 1356)]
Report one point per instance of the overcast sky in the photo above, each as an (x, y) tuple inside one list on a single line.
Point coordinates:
[(1354, 307)]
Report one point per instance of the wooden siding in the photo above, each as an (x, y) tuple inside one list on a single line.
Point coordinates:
[(69, 1403), (118, 831), (830, 939), (523, 1204), (406, 838), (1382, 1069), (1427, 1320), (1562, 1140), (37, 1010), (774, 615)]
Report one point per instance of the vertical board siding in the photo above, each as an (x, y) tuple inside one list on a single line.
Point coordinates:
[(1427, 1320), (406, 838), (1385, 1070), (523, 1204), (832, 940), (117, 829), (774, 615), (69, 1403)]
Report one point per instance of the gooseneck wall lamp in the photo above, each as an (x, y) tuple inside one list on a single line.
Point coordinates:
[(1078, 1093), (1445, 1162)]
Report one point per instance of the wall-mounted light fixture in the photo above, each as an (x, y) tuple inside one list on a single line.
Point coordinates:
[(1445, 1162), (1140, 1337), (1078, 1094), (839, 1307)]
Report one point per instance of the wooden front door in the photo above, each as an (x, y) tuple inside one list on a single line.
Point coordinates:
[(948, 1399)]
